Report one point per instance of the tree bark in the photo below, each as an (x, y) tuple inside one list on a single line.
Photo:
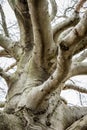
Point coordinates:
[(33, 100)]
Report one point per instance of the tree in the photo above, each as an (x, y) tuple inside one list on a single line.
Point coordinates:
[(45, 61)]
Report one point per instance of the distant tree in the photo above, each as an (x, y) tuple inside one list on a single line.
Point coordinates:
[(45, 61)]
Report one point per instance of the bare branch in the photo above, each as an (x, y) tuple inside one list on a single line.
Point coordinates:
[(4, 25), (79, 5), (74, 87), (54, 9), (5, 42), (81, 124), (78, 68), (77, 33), (4, 75), (82, 56), (4, 53), (22, 13), (69, 22), (10, 67), (72, 21), (81, 45), (12, 48)]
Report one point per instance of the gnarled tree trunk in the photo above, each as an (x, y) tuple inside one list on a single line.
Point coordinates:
[(44, 63)]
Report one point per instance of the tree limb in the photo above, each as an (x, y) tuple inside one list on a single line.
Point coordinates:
[(74, 87), (63, 64), (14, 49), (4, 75), (54, 9), (4, 53), (81, 45), (5, 42), (79, 5), (22, 13), (72, 21), (43, 37), (10, 67), (4, 25), (82, 56), (66, 48), (78, 68), (67, 23), (80, 124), (74, 113)]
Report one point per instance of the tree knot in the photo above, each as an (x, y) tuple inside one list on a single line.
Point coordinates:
[(64, 47)]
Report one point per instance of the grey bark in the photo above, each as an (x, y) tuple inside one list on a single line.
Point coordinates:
[(33, 100)]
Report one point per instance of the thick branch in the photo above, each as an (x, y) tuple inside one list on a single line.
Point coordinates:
[(43, 38), (79, 5), (23, 16), (81, 45), (10, 122), (38, 93), (5, 42), (77, 33), (4, 25), (67, 23), (74, 113), (54, 9), (78, 69), (81, 124), (72, 21), (82, 56), (66, 48), (12, 48)]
